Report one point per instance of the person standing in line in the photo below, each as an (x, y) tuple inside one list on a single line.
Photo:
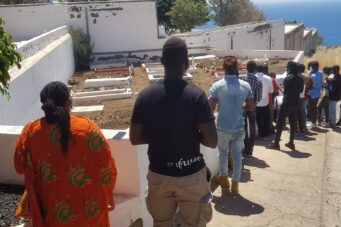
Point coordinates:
[(173, 118), (293, 86), (250, 116), (334, 85), (233, 96), (263, 109), (301, 112), (69, 171), (323, 102), (314, 87)]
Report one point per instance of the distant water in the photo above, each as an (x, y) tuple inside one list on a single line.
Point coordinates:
[(323, 15)]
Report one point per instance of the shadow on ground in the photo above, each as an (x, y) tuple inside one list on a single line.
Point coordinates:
[(305, 137), (255, 162), (297, 154), (338, 130), (319, 130), (235, 205)]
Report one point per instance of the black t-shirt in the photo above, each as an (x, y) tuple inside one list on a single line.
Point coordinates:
[(293, 86), (170, 111)]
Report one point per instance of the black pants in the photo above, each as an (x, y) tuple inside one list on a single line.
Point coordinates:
[(284, 112), (323, 105), (262, 117), (300, 115), (312, 109), (250, 131)]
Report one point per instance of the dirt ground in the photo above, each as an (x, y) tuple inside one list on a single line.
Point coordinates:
[(117, 113)]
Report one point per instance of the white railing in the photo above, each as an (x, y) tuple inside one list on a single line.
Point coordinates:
[(36, 44)]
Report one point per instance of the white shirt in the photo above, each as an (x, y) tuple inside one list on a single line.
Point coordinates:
[(267, 89)]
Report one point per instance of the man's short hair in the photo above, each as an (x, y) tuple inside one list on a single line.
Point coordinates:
[(174, 52), (251, 66), (301, 68), (292, 67), (266, 69), (336, 68), (327, 70), (230, 65), (315, 65), (260, 68)]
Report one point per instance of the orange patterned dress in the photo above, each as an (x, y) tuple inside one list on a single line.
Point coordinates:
[(71, 189)]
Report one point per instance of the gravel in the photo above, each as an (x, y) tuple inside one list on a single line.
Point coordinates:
[(9, 198)]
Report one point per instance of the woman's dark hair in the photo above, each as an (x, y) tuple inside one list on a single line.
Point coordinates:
[(54, 96)]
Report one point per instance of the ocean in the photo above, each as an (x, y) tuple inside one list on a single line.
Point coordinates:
[(324, 15)]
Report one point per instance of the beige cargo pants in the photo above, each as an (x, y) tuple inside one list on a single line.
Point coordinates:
[(191, 194)]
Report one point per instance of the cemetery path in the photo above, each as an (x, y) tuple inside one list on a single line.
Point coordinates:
[(287, 188)]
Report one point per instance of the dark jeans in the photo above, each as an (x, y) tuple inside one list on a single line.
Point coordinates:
[(312, 109), (323, 105), (284, 112), (262, 117), (250, 131), (302, 115)]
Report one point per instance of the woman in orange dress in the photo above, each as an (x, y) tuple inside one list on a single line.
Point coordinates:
[(69, 171)]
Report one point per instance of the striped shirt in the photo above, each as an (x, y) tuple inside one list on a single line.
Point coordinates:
[(256, 85)]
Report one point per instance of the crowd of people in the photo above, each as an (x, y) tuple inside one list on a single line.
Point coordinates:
[(70, 173)]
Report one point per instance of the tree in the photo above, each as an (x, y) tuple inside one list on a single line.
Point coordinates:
[(82, 48), (8, 57), (227, 12), (163, 7), (185, 14)]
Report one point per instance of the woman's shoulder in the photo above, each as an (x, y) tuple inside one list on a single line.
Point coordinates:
[(81, 123)]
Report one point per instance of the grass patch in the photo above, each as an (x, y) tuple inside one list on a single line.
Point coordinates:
[(327, 57)]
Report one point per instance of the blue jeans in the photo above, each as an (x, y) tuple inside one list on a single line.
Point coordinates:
[(235, 142), (332, 112)]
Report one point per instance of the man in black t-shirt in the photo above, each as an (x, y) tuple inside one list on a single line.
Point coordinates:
[(293, 86), (173, 118)]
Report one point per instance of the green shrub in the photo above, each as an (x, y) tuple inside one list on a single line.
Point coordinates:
[(82, 49), (8, 57)]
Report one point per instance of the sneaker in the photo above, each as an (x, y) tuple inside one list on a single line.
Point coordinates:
[(273, 146), (318, 124), (290, 145), (223, 181)]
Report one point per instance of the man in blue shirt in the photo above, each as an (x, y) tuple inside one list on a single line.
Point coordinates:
[(233, 96), (314, 89)]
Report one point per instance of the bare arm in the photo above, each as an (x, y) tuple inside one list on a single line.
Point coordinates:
[(249, 105), (213, 103), (208, 134), (136, 134)]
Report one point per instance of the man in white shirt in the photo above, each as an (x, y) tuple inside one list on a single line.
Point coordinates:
[(263, 109)]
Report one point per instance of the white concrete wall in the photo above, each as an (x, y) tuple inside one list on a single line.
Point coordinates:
[(113, 27), (132, 167), (250, 36), (271, 54), (308, 42), (53, 62), (294, 38)]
